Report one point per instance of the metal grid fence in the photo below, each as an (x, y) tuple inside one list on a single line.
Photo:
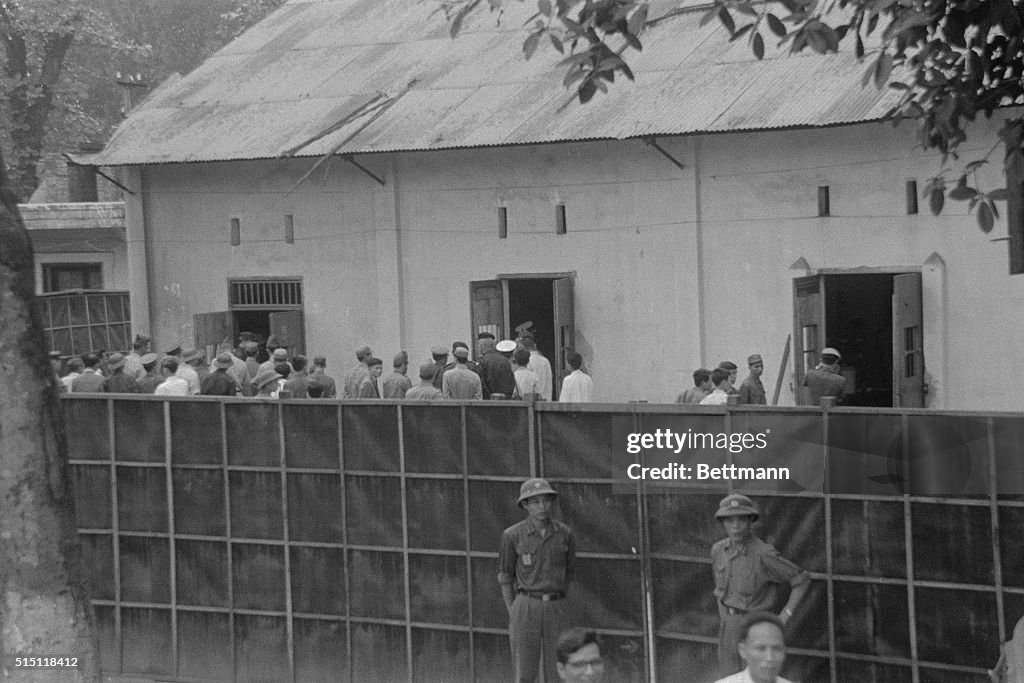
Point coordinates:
[(233, 539)]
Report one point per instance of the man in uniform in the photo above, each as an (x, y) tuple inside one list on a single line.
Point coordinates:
[(747, 573), (497, 370), (536, 564), (460, 382), (397, 383), (752, 391), (763, 649), (824, 379), (425, 390), (579, 657)]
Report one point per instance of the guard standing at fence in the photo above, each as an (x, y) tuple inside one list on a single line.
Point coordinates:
[(748, 573), (536, 564)]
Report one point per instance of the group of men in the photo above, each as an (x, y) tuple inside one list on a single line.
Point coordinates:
[(503, 370), (235, 371), (715, 387), (537, 564)]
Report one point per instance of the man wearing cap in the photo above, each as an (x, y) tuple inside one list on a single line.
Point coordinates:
[(266, 383), (133, 361), (471, 365), (219, 382), (91, 380), (397, 383), (748, 573), (279, 355), (119, 382), (319, 376), (439, 354), (355, 376), (824, 379), (187, 371), (425, 390), (368, 387), (460, 382), (496, 369), (153, 378), (752, 391), (536, 564)]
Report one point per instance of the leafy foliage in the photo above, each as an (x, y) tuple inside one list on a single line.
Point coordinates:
[(950, 59)]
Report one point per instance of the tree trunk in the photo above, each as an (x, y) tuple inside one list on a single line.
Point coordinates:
[(44, 607)]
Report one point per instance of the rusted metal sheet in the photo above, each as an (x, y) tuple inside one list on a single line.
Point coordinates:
[(363, 76)]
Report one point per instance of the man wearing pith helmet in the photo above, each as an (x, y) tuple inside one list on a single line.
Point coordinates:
[(748, 574), (536, 564)]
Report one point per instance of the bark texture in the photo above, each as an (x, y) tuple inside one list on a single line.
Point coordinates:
[(44, 605)]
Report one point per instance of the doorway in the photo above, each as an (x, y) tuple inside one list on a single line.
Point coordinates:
[(542, 303), (874, 320), (263, 306)]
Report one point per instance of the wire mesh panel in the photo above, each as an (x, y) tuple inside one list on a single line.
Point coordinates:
[(230, 539)]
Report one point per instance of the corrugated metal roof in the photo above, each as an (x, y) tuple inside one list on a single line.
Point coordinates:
[(314, 63)]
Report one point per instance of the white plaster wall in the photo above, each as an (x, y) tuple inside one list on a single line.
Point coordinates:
[(391, 266), (760, 205), (190, 210)]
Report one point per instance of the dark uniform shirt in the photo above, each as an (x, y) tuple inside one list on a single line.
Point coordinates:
[(120, 383), (532, 562), (497, 375), (219, 383), (752, 392), (747, 574), (823, 382)]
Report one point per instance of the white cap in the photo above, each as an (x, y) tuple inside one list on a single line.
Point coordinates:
[(829, 351), (506, 346)]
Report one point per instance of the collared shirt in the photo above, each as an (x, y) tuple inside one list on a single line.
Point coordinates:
[(424, 391), (527, 383), (461, 383), (542, 366), (89, 381), (824, 380), (533, 562), (577, 388), (692, 395), (747, 574), (353, 379), (396, 384), (189, 374), (69, 379), (752, 392), (744, 677), (368, 387), (172, 386), (326, 381), (133, 366), (715, 398)]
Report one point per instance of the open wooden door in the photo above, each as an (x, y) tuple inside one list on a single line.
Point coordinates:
[(211, 329), (290, 331), (487, 309), (808, 328), (565, 327), (907, 342)]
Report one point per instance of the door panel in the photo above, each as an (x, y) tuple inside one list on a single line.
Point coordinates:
[(289, 329), (565, 326), (907, 342), (211, 329), (487, 308), (808, 328)]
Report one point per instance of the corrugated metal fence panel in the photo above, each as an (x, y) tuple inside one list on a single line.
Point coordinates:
[(260, 540)]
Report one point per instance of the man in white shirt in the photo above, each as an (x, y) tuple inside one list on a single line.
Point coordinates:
[(172, 384), (577, 387), (540, 365), (720, 396), (762, 648)]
